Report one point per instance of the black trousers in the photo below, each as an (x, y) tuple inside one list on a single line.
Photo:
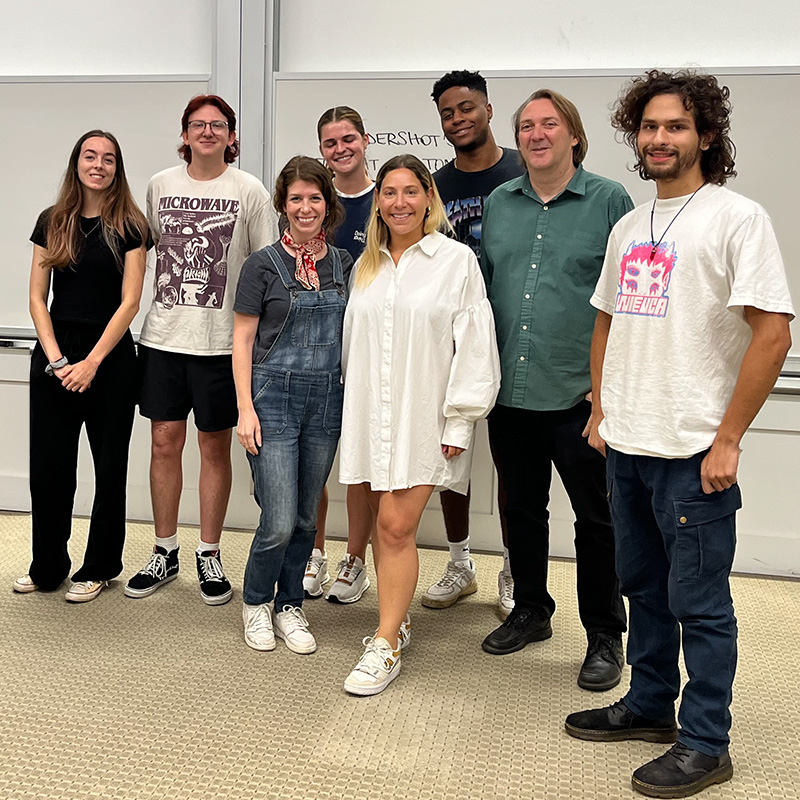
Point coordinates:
[(525, 446), (56, 419)]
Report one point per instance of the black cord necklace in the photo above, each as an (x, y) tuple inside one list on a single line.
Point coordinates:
[(653, 211)]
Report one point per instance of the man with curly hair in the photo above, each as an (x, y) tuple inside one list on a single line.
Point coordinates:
[(691, 333)]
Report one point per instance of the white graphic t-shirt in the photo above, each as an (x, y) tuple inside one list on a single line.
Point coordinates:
[(204, 231), (678, 333)]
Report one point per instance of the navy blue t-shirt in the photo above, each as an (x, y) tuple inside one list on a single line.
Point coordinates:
[(352, 233)]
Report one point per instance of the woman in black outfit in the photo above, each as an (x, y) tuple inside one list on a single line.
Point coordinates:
[(92, 244)]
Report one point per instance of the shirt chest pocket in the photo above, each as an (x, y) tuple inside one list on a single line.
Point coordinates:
[(320, 326)]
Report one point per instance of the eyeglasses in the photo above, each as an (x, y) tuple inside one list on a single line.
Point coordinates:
[(198, 126)]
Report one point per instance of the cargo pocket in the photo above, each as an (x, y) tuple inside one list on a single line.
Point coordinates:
[(706, 533)]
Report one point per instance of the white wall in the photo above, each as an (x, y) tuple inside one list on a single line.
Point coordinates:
[(113, 37), (150, 37), (328, 36)]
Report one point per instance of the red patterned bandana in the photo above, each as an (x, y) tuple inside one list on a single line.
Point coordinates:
[(306, 258)]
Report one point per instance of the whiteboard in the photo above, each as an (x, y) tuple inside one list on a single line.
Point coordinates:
[(46, 120), (401, 117)]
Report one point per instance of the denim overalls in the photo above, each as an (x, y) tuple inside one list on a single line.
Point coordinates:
[(298, 395)]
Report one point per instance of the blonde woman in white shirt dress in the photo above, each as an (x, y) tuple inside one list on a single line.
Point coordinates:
[(420, 367)]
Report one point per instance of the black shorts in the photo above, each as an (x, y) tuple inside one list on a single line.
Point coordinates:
[(173, 384)]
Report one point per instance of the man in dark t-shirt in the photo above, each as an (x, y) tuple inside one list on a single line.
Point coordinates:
[(479, 167)]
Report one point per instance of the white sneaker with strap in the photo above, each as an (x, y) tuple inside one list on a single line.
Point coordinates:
[(375, 670)]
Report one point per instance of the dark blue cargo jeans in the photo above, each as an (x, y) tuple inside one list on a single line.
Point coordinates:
[(674, 552)]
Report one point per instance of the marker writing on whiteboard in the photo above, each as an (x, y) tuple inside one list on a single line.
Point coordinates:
[(405, 138)]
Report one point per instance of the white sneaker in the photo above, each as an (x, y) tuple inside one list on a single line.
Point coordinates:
[(291, 625), (458, 580), (375, 670), (350, 583), (258, 632), (404, 634), (84, 591), (316, 574), (505, 590), (25, 584)]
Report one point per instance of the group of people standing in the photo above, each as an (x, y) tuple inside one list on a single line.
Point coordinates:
[(395, 313)]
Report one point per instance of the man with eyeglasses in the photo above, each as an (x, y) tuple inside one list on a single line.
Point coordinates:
[(206, 217)]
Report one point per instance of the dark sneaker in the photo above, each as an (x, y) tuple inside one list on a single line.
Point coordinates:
[(215, 589), (521, 627), (160, 569), (681, 772), (617, 723), (602, 667)]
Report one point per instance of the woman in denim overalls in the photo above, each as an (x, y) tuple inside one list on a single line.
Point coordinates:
[(289, 307)]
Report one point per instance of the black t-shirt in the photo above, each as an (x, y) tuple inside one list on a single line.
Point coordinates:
[(260, 292), (89, 291), (463, 194)]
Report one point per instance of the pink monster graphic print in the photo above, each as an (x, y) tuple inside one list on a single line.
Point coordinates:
[(644, 275), (192, 254)]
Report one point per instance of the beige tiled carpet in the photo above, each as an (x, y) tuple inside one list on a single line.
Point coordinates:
[(161, 698)]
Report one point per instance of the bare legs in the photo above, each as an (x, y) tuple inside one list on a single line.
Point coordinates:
[(360, 522), (166, 478), (395, 553)]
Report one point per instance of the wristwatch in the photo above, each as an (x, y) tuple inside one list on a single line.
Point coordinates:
[(50, 368)]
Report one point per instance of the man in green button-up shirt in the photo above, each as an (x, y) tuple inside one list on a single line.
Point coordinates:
[(544, 240)]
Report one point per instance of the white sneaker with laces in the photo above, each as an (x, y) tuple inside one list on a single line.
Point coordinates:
[(84, 591), (505, 590), (316, 574), (458, 581), (258, 632), (351, 581), (291, 625), (375, 670), (25, 584)]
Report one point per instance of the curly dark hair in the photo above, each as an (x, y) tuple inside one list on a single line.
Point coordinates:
[(702, 95), (459, 77)]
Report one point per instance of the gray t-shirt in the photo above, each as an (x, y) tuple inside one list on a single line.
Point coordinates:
[(260, 292)]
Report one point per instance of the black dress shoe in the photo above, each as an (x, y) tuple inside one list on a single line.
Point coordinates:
[(602, 667), (617, 723), (681, 772), (521, 627)]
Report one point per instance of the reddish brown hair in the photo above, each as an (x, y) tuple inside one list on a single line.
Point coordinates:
[(232, 150)]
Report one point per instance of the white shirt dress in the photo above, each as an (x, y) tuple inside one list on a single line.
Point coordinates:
[(420, 367)]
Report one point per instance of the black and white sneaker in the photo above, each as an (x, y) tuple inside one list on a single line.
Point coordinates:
[(160, 569), (215, 588)]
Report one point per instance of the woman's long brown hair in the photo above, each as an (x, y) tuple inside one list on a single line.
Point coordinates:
[(119, 214)]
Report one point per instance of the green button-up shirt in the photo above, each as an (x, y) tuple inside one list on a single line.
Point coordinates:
[(541, 262)]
